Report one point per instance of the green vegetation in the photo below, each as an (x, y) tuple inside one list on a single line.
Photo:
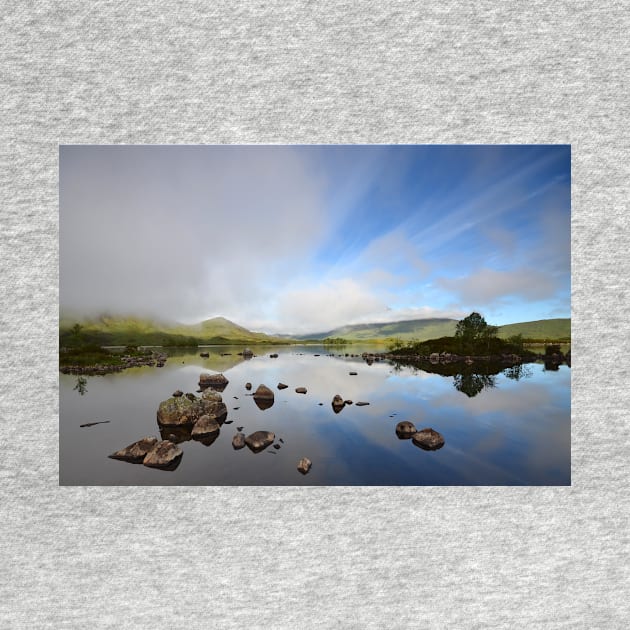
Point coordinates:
[(120, 331), (335, 341), (473, 336), (545, 330)]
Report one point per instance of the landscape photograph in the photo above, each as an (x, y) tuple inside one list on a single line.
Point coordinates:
[(315, 315)]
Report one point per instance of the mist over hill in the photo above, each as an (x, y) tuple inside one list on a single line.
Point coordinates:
[(116, 330)]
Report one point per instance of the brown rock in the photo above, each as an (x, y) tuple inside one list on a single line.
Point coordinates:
[(217, 381), (178, 393), (204, 427), (238, 441), (135, 452), (164, 455), (282, 386), (248, 386), (260, 440), (263, 392), (405, 429), (304, 465), (428, 439), (300, 390)]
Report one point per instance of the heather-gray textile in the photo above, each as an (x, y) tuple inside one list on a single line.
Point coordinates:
[(329, 72)]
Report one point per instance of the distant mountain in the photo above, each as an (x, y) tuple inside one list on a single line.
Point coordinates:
[(115, 330), (424, 329)]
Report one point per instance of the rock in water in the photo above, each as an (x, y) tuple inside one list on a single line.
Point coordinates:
[(217, 381), (263, 392), (304, 465), (428, 439), (405, 429), (181, 411), (163, 455), (248, 386), (353, 373), (300, 390), (362, 404), (205, 427), (260, 440), (248, 353), (136, 452), (337, 403), (282, 386), (178, 393), (238, 441)]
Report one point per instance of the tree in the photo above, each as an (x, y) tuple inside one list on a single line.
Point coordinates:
[(474, 333)]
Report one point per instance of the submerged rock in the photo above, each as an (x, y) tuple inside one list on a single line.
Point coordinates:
[(260, 440), (164, 455), (238, 441), (304, 465), (204, 427), (405, 429), (136, 452), (428, 439)]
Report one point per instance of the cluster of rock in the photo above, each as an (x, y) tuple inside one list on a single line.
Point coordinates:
[(155, 359), (427, 439), (151, 452)]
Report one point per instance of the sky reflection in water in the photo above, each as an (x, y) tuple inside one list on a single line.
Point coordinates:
[(515, 433)]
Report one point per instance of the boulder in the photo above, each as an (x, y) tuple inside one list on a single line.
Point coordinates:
[(238, 441), (218, 381), (205, 426), (259, 440), (304, 465), (164, 455), (300, 390), (273, 356), (428, 439), (205, 355), (248, 353), (178, 393), (191, 396), (282, 386), (405, 429), (263, 393), (136, 452), (182, 410), (178, 411), (248, 386)]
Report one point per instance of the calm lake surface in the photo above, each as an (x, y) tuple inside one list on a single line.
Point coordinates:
[(512, 428)]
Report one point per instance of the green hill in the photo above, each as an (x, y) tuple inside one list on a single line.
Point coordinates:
[(113, 331), (542, 329), (425, 329)]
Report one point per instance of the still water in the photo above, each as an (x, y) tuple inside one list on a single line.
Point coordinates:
[(509, 428)]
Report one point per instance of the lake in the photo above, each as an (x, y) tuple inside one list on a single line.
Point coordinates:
[(509, 428)]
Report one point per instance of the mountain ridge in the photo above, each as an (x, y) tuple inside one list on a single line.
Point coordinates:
[(126, 330)]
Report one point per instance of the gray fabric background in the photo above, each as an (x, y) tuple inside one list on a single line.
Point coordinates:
[(328, 72)]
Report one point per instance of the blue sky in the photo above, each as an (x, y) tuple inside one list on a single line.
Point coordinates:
[(302, 239)]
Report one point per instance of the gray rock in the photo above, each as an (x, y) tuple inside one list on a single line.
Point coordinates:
[(428, 439), (164, 454), (347, 402), (178, 393), (405, 429), (136, 452), (362, 404), (259, 440), (204, 427), (238, 441), (304, 465)]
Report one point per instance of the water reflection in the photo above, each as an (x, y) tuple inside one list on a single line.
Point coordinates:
[(512, 426), (471, 383), (81, 385)]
